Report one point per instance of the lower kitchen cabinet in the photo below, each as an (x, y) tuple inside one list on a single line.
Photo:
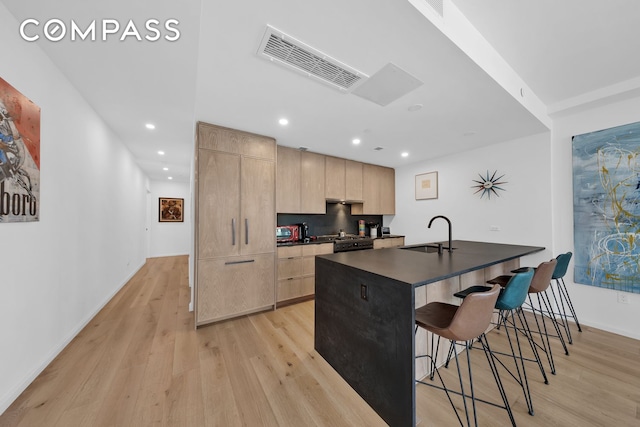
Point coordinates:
[(388, 242), (296, 271), (231, 286)]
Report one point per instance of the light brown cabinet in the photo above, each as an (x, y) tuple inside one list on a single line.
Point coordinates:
[(353, 175), (343, 179), (335, 178), (235, 219), (296, 271), (312, 199), (289, 180), (388, 242), (378, 191), (301, 182)]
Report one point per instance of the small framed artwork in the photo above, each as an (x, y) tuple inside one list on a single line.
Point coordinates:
[(171, 210), (427, 186)]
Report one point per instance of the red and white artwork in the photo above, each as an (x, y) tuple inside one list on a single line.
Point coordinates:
[(19, 156)]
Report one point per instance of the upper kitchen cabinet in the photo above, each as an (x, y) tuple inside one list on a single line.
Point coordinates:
[(232, 141), (335, 178), (235, 219), (288, 180), (343, 179), (301, 182), (312, 198), (378, 191), (353, 175)]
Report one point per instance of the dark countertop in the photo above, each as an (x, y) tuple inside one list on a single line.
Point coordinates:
[(317, 242), (421, 268)]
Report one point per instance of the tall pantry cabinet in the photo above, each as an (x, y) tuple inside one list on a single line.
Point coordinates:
[(235, 222)]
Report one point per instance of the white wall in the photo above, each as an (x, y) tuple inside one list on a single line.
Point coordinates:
[(595, 306), (169, 238), (57, 273), (522, 212), (536, 209)]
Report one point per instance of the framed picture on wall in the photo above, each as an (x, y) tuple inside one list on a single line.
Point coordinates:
[(171, 209), (427, 186)]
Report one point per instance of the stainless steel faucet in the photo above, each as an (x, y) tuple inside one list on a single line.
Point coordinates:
[(450, 248)]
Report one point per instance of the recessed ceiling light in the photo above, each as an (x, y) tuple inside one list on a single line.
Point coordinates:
[(150, 126), (170, 177), (404, 154), (165, 169), (356, 141), (161, 153), (415, 107), (283, 122)]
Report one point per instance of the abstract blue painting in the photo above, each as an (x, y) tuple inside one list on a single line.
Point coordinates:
[(606, 208)]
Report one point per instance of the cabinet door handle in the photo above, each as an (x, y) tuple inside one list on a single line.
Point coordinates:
[(239, 262), (246, 231), (233, 231)]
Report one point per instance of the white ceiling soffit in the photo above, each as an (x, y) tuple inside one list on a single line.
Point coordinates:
[(387, 85), (287, 51), (453, 24)]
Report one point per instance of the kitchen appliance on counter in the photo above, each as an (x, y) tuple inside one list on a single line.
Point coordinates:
[(373, 229), (287, 233), (303, 232)]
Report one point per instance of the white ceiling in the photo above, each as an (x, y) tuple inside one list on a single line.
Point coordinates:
[(562, 50)]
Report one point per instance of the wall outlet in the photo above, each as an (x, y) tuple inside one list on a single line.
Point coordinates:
[(494, 228), (623, 298)]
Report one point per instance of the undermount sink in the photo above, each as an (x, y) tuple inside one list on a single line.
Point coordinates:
[(431, 248)]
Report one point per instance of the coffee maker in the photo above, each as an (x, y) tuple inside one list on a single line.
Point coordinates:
[(303, 232), (373, 229)]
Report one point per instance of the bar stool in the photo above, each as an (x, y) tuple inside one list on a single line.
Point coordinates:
[(539, 285), (563, 294), (461, 325), (509, 304)]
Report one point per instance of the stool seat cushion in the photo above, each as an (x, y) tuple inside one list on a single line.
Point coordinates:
[(459, 323)]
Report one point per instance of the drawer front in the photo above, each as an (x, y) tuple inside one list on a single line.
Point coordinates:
[(227, 287), (321, 249), (309, 265), (295, 288), (289, 267), (289, 251)]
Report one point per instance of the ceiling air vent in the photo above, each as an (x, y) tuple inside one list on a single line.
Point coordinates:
[(285, 50)]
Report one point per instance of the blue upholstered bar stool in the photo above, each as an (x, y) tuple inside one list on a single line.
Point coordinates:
[(461, 325), (563, 301), (509, 304), (539, 285)]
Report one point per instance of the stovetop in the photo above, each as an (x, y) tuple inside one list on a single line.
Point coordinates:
[(337, 238)]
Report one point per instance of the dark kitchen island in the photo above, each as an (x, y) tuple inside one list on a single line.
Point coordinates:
[(364, 312)]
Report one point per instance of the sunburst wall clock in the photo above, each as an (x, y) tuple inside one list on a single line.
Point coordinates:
[(488, 185)]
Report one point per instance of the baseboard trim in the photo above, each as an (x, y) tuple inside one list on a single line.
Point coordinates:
[(12, 395)]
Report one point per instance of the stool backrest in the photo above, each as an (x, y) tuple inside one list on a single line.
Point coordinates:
[(542, 277), (473, 316), (563, 264), (516, 290)]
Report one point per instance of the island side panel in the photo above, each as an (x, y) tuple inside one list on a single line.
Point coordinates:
[(369, 342)]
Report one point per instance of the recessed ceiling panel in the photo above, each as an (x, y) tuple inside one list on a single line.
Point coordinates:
[(387, 85)]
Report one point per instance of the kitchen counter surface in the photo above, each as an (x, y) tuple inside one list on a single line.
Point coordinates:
[(365, 314), (317, 242), (421, 268)]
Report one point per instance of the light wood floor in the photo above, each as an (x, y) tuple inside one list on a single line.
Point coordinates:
[(140, 363)]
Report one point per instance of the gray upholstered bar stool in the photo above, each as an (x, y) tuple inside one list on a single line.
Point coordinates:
[(461, 325)]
